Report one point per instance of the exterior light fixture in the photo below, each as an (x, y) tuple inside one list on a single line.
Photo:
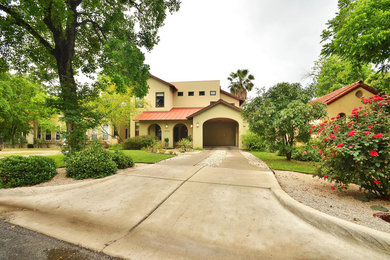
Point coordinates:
[(166, 125), (197, 124), (191, 126)]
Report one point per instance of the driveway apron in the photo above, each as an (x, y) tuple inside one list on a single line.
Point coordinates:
[(209, 205)]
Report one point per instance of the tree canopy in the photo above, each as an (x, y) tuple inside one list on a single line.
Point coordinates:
[(241, 83), (331, 73), (55, 40), (282, 115), (360, 32)]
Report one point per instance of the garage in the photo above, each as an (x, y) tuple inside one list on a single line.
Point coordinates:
[(220, 132)]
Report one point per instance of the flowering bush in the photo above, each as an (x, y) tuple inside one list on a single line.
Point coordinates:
[(356, 149)]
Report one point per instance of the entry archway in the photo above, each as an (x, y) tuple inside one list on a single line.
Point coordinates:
[(180, 131), (155, 130), (220, 132)]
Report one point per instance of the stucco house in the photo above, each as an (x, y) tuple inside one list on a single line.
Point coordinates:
[(343, 100), (200, 109)]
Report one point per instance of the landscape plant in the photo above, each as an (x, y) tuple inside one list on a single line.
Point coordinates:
[(185, 144), (356, 149), (16, 171), (122, 160), (138, 142), (92, 162)]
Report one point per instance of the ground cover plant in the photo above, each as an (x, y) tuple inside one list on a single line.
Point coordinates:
[(140, 156), (18, 171), (277, 162), (357, 149)]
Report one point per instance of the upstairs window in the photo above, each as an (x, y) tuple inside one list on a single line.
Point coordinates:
[(190, 93), (213, 93), (179, 94), (160, 99), (201, 93)]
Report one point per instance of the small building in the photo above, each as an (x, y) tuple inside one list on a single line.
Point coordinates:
[(342, 101), (200, 109)]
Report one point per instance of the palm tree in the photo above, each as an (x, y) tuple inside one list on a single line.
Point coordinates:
[(241, 83)]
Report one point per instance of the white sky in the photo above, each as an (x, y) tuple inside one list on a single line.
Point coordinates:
[(277, 40)]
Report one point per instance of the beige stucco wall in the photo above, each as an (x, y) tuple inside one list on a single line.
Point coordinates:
[(196, 86), (166, 128), (219, 111), (346, 103), (157, 86), (230, 100)]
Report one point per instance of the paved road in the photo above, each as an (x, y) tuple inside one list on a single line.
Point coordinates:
[(180, 208), (23, 244)]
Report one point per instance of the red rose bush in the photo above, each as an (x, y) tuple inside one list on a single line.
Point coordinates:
[(356, 149)]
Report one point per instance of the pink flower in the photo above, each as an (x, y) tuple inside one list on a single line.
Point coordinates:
[(325, 139), (374, 153), (332, 136), (310, 131), (376, 182), (369, 127), (378, 135), (325, 176), (340, 144), (332, 188), (320, 152), (343, 187), (367, 132), (352, 133), (313, 126)]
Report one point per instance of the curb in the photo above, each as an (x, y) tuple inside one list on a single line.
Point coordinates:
[(361, 235)]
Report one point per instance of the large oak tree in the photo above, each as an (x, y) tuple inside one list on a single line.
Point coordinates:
[(57, 39)]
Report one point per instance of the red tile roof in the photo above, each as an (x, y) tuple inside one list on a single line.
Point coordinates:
[(333, 96), (179, 113), (220, 101)]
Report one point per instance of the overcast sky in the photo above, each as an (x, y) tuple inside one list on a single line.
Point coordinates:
[(277, 40)]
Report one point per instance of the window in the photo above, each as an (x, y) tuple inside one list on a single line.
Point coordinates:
[(179, 94), (39, 133), (160, 99), (190, 93), (48, 135), (58, 136), (342, 115), (94, 134), (201, 93), (116, 131), (213, 93), (126, 133), (106, 132), (359, 94)]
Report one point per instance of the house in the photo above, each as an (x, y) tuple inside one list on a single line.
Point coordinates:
[(342, 101), (200, 109)]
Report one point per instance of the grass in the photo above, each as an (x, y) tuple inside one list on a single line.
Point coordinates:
[(17, 154), (276, 162), (140, 156), (59, 159)]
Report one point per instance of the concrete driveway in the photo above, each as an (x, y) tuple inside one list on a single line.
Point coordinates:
[(208, 205)]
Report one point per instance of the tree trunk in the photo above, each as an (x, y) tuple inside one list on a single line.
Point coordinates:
[(288, 155)]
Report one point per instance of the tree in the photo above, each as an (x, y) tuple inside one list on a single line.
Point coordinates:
[(241, 83), (379, 81), (22, 102), (115, 108), (282, 115), (360, 32), (56, 40), (331, 73)]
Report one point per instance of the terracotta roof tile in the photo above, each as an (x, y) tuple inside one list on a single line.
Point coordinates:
[(173, 114), (333, 96)]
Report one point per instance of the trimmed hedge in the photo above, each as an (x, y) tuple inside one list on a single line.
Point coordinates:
[(93, 162), (138, 142), (122, 160), (16, 171)]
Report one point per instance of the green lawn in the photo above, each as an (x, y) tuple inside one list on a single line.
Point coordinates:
[(58, 158), (140, 156), (276, 162), (17, 154)]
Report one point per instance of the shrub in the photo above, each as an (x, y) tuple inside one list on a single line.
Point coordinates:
[(253, 142), (138, 142), (357, 149), (93, 162), (185, 144), (122, 160), (116, 147), (30, 146), (307, 152), (18, 171)]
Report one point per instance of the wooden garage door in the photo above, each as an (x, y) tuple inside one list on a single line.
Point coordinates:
[(219, 132)]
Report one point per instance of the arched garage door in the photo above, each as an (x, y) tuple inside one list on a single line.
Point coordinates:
[(220, 132)]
